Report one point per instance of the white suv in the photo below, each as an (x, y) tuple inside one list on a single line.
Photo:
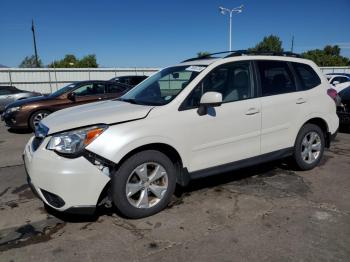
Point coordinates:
[(201, 117)]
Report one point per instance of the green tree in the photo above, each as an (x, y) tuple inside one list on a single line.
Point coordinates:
[(270, 43), (329, 56), (202, 53), (88, 61), (70, 61), (30, 62)]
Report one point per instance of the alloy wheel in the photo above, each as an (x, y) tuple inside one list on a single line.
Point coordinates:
[(146, 185), (311, 146)]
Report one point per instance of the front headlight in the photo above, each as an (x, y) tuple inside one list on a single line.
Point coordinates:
[(12, 109), (73, 142)]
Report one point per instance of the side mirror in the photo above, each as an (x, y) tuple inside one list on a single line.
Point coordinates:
[(71, 96), (335, 83), (209, 99)]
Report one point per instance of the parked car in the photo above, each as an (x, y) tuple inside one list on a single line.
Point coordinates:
[(338, 78), (28, 113), (9, 94), (130, 80), (343, 110), (201, 117)]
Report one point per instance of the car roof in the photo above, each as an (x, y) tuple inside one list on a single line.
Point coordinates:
[(338, 74)]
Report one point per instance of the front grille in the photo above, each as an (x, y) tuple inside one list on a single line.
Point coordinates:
[(37, 142), (53, 199)]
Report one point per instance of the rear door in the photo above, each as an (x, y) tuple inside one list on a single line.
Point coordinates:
[(281, 104)]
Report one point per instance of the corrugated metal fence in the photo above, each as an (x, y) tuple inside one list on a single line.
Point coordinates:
[(48, 80), (336, 69)]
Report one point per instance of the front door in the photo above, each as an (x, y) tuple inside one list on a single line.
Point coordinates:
[(229, 132)]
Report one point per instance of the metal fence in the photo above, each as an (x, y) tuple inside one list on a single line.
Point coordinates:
[(48, 80), (335, 69)]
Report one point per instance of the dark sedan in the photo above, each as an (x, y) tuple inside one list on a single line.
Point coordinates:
[(28, 113), (130, 80), (9, 94), (343, 110)]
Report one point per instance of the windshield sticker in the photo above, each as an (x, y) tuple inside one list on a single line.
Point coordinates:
[(195, 68), (167, 98)]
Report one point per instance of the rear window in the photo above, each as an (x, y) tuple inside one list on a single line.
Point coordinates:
[(308, 77)]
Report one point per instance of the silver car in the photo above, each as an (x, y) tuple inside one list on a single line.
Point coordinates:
[(9, 94)]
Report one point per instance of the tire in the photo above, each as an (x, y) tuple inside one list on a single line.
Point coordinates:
[(132, 189), (36, 116), (309, 147)]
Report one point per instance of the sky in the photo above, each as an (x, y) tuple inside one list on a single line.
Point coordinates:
[(157, 33)]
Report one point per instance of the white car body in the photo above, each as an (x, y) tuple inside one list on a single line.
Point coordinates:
[(237, 131), (338, 82)]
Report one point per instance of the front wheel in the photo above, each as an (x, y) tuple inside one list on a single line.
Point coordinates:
[(309, 147), (37, 117), (144, 184)]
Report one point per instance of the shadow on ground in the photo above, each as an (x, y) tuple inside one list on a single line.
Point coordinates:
[(248, 176)]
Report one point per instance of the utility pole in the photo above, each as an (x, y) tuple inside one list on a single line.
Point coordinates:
[(292, 47), (35, 50)]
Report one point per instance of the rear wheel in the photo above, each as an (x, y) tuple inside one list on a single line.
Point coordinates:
[(144, 184), (37, 117), (309, 147)]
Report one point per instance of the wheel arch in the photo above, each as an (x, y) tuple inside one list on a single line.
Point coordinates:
[(321, 123), (34, 111), (173, 154)]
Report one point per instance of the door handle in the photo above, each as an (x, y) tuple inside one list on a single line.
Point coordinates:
[(252, 111), (300, 100)]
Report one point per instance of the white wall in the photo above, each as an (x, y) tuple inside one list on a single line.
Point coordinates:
[(336, 69), (47, 80)]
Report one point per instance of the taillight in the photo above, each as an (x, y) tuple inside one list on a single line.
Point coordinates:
[(332, 93)]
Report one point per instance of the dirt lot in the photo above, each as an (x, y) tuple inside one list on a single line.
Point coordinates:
[(264, 213)]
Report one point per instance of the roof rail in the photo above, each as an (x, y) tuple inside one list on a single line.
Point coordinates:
[(241, 53), (271, 53)]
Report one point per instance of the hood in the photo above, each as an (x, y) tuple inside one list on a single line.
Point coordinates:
[(26, 101), (106, 112)]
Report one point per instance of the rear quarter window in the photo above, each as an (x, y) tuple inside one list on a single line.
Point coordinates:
[(308, 77)]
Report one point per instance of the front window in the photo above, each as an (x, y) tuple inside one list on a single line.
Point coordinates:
[(162, 87), (63, 90)]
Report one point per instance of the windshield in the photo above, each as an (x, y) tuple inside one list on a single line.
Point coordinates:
[(63, 90), (162, 87)]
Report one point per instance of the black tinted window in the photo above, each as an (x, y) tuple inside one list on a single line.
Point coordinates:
[(90, 89), (5, 92), (113, 88), (308, 77), (233, 81), (340, 79), (275, 77)]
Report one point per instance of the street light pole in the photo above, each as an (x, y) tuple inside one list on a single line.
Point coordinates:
[(224, 11)]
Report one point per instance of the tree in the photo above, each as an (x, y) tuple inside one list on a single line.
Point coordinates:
[(270, 43), (329, 56), (202, 54), (30, 62), (70, 61), (88, 61)]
